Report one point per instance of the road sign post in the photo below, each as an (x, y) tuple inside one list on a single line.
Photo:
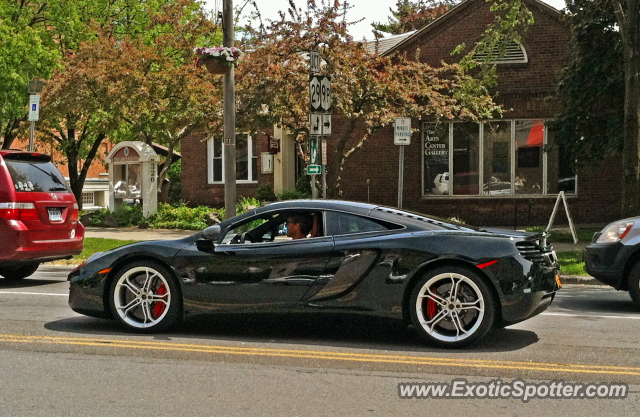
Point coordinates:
[(319, 122), (402, 137), (35, 87)]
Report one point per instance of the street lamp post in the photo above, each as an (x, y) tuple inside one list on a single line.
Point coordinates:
[(229, 117)]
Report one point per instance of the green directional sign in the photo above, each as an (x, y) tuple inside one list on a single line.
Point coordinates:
[(314, 170), (314, 156)]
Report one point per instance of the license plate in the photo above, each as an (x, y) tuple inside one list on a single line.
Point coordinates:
[(55, 214)]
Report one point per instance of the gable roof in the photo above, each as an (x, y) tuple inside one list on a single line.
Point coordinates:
[(445, 17), (382, 45)]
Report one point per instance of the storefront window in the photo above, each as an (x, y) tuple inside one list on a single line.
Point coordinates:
[(497, 158), (514, 159), (529, 144), (435, 146), (466, 158), (127, 181), (560, 175)]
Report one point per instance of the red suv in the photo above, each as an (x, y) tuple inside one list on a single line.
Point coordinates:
[(38, 214)]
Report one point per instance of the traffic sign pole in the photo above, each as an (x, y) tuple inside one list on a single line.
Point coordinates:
[(402, 137)]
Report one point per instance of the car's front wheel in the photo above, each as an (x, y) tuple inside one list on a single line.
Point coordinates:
[(18, 272), (452, 307), (145, 297)]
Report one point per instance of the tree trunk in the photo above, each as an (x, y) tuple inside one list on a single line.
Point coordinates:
[(628, 22), (10, 132), (336, 167)]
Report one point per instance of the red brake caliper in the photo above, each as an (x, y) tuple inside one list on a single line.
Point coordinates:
[(158, 309), (431, 307)]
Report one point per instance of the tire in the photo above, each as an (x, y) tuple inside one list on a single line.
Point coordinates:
[(633, 284), (446, 323), (19, 272), (154, 311)]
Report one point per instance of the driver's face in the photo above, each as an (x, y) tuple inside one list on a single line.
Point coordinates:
[(290, 227)]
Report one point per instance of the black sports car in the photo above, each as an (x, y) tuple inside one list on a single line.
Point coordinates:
[(452, 282)]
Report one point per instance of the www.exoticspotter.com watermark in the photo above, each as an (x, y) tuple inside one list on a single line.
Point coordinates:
[(518, 389)]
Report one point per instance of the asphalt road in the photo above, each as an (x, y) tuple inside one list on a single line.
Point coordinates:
[(57, 363)]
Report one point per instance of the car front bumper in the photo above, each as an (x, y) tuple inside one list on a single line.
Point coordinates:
[(606, 262)]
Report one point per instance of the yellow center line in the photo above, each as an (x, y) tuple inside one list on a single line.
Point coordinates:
[(324, 355)]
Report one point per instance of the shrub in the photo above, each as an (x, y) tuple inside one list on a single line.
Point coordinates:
[(303, 186), (292, 195), (265, 193), (174, 175)]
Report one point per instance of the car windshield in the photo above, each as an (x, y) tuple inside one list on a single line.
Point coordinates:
[(36, 176)]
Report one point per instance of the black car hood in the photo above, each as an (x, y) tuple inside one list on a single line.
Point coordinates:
[(514, 233)]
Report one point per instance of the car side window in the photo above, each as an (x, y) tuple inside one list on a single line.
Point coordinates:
[(344, 224)]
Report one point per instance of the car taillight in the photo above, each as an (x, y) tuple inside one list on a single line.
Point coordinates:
[(74, 213), (18, 211)]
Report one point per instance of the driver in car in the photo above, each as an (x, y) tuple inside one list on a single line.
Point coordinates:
[(298, 226)]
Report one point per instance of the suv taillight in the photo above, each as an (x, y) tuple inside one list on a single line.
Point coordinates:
[(74, 213), (18, 211)]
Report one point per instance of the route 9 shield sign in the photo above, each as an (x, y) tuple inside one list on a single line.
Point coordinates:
[(319, 93)]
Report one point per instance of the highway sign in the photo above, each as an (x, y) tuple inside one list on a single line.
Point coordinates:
[(326, 124), (402, 131), (314, 169), (314, 62), (34, 107), (315, 123), (314, 156), (319, 93)]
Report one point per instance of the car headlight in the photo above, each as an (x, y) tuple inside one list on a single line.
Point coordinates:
[(615, 232)]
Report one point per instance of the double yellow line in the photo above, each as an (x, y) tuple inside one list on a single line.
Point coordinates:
[(323, 355)]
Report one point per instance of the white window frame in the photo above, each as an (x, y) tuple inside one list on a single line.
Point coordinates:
[(251, 156), (93, 198)]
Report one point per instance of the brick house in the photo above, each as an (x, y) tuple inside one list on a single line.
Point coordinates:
[(499, 172)]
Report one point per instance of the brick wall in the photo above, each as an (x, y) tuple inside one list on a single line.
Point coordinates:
[(195, 188)]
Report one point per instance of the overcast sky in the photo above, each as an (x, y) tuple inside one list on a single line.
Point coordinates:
[(370, 10)]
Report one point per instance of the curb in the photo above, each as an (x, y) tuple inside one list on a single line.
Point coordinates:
[(579, 280)]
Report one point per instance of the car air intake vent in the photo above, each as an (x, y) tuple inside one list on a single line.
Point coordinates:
[(531, 252)]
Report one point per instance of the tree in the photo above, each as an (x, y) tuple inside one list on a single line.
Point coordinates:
[(137, 79), (597, 119), (367, 90), (590, 120), (26, 51), (412, 15)]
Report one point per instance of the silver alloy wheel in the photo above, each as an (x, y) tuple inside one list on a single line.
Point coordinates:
[(459, 307), (142, 297)]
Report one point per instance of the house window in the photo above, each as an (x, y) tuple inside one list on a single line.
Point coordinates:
[(494, 158), (87, 199), (246, 159)]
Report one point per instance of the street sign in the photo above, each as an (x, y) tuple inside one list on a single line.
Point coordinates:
[(402, 131), (315, 123), (326, 124), (314, 156), (314, 62), (324, 151), (319, 93), (314, 169), (34, 107)]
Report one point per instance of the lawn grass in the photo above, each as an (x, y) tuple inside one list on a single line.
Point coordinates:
[(583, 234), (91, 246), (571, 263)]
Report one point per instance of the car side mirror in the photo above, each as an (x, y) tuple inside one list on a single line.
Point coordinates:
[(212, 233)]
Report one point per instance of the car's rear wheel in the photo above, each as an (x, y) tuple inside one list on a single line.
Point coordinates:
[(634, 284), (18, 272), (144, 296), (452, 307)]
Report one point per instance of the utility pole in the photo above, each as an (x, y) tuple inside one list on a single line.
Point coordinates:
[(229, 117)]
